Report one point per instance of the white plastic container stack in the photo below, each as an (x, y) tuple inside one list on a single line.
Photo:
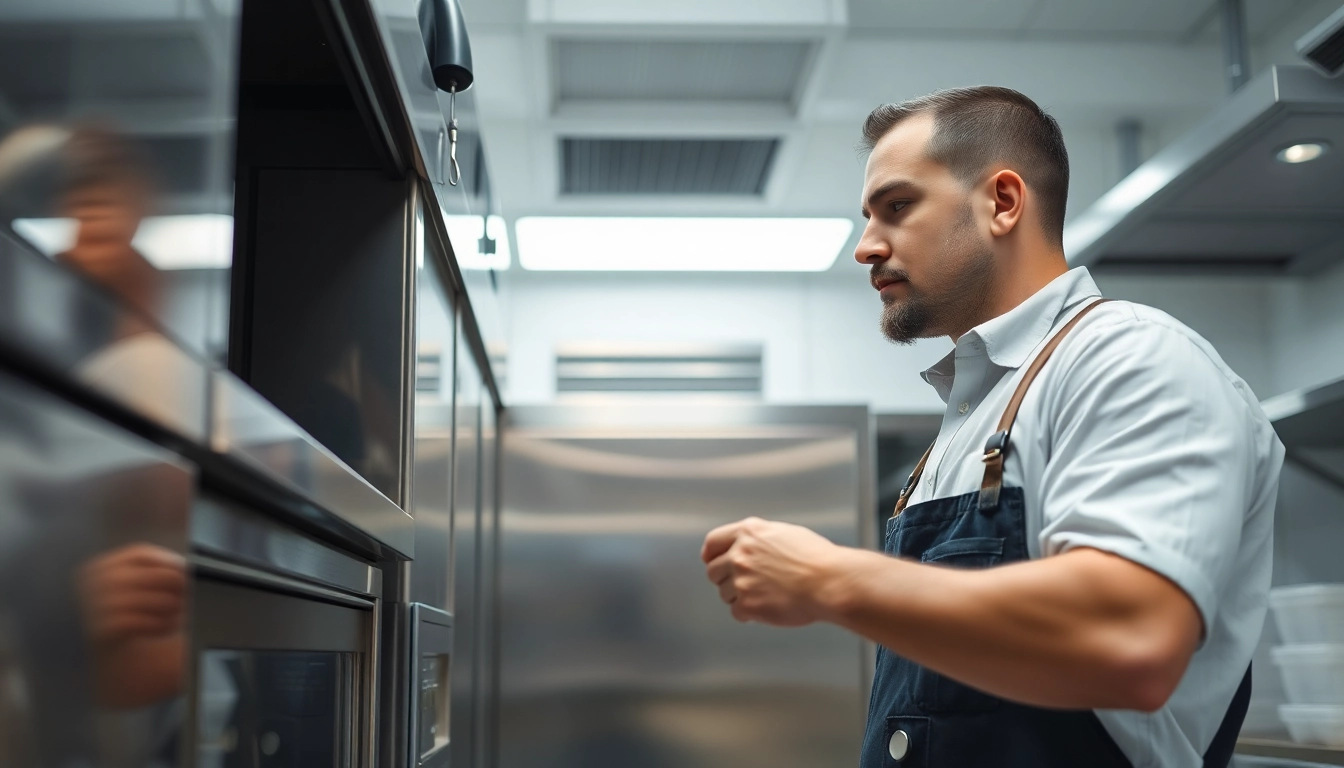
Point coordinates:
[(1310, 618)]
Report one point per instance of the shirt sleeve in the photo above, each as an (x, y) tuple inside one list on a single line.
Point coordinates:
[(1150, 457)]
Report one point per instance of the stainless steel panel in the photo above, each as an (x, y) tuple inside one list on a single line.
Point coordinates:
[(117, 132), (436, 334), (615, 650), (93, 527), (465, 598), (432, 665), (487, 746), (233, 532), (250, 429)]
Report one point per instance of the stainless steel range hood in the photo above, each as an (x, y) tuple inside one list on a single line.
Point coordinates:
[(1218, 201)]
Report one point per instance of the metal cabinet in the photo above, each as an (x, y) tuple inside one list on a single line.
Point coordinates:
[(285, 646)]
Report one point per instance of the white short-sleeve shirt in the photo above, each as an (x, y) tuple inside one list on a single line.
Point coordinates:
[(1136, 439)]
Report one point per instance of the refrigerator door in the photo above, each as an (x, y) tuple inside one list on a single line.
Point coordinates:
[(616, 650)]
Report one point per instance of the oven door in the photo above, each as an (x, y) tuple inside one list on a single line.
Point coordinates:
[(282, 680)]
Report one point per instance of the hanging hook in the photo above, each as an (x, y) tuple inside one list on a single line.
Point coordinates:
[(454, 171)]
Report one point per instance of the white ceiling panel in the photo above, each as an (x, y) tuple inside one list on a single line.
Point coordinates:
[(1158, 18), (979, 16), (703, 70)]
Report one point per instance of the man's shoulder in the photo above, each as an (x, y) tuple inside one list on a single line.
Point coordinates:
[(1122, 337)]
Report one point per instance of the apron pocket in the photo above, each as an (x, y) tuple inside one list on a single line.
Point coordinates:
[(934, 692), (974, 552)]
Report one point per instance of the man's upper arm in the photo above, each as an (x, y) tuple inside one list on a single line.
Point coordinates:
[(1150, 458)]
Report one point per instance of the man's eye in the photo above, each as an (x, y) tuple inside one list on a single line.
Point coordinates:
[(899, 205)]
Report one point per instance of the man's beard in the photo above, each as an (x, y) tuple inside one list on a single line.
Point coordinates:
[(959, 286)]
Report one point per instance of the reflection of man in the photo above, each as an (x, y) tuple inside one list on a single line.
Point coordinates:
[(1129, 517), (135, 606), (107, 192)]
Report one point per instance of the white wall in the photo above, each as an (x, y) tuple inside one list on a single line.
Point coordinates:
[(819, 332), (1308, 329), (1234, 314)]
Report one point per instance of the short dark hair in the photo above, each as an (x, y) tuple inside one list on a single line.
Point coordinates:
[(975, 127)]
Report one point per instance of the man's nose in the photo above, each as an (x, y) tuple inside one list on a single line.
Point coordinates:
[(871, 248)]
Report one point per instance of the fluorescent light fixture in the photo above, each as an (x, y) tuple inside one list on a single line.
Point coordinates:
[(191, 241), (465, 233), (1302, 153), (681, 244)]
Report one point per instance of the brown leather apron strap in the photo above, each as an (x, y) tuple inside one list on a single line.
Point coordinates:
[(997, 446), (910, 483)]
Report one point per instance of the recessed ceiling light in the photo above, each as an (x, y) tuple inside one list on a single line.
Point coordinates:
[(680, 244), (1303, 152)]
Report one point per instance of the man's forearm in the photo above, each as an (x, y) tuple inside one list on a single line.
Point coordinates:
[(1080, 630)]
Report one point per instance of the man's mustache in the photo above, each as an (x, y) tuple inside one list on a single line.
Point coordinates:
[(879, 274)]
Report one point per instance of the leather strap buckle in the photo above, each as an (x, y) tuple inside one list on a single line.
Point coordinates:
[(996, 446)]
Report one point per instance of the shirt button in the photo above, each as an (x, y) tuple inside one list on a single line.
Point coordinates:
[(963, 408), (899, 745)]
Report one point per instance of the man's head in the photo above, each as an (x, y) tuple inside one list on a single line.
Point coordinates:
[(960, 185)]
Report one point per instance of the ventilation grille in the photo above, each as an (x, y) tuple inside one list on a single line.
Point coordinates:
[(760, 71), (681, 370), (666, 166), (1329, 54)]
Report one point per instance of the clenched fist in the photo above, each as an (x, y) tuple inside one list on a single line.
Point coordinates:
[(774, 573)]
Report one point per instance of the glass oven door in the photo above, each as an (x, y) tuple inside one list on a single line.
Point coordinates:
[(282, 681)]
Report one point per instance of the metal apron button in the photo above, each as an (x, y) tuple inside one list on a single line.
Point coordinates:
[(899, 745)]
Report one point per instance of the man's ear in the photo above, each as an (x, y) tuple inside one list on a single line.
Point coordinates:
[(1009, 193)]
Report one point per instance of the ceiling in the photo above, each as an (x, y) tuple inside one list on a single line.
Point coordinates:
[(804, 73)]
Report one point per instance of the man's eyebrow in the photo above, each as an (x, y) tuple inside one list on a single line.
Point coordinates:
[(882, 191)]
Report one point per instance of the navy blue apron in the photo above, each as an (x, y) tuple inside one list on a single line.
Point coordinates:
[(919, 718)]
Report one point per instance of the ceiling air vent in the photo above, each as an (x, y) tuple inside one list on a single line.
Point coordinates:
[(605, 368), (766, 72), (666, 166)]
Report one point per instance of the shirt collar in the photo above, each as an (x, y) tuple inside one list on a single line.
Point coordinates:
[(1010, 338)]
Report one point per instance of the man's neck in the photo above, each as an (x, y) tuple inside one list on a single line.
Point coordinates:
[(1014, 284)]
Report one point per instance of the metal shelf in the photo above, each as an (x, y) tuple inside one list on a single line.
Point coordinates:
[(1311, 417), (1287, 750)]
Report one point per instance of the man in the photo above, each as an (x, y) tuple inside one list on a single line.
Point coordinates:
[(1126, 507)]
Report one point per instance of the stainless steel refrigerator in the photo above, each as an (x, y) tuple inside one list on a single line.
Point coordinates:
[(614, 648)]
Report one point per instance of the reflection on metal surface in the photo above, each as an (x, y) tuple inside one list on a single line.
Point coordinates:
[(249, 428), (768, 462), (465, 597), (245, 536), (92, 623), (119, 119), (51, 315), (614, 648), (487, 627), (432, 452)]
